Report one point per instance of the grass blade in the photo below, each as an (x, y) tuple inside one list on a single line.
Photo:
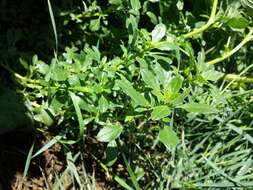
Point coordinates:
[(131, 173), (53, 24), (28, 161), (122, 183), (78, 113), (47, 146)]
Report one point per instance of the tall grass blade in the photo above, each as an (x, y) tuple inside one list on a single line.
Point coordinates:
[(28, 161), (53, 24), (47, 146), (131, 173)]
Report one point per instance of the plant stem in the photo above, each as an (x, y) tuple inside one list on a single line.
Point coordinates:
[(18, 76), (207, 25), (238, 78), (226, 55)]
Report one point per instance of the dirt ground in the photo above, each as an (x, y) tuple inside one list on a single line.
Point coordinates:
[(41, 176), (13, 151)]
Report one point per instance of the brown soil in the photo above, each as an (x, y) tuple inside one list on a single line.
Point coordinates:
[(43, 169)]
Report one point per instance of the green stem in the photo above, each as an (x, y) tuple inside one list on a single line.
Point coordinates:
[(226, 55), (207, 25), (18, 76), (238, 78)]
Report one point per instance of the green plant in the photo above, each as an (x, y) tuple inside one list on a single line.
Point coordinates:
[(156, 96)]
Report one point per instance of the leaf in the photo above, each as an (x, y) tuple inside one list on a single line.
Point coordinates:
[(28, 161), (149, 79), (238, 22), (47, 145), (103, 104), (94, 24), (122, 183), (212, 75), (59, 73), (128, 89), (180, 5), (152, 17), (158, 32), (115, 2), (109, 133), (168, 137), (174, 84), (53, 23), (136, 5), (166, 46), (44, 116), (132, 174), (82, 89), (198, 108), (132, 27), (160, 112), (111, 153), (72, 167), (42, 67), (75, 100)]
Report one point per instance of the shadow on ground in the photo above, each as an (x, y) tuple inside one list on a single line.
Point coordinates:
[(16, 135)]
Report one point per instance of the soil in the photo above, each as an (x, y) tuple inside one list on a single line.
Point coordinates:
[(14, 148)]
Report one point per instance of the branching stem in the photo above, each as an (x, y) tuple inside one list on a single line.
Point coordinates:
[(207, 25), (226, 55), (238, 78)]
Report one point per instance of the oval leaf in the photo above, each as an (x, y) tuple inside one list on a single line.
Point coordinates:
[(128, 89), (168, 137), (111, 153), (136, 5), (160, 112), (158, 33), (198, 108), (109, 133)]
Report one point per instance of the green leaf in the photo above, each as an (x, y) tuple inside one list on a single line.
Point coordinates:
[(82, 89), (53, 23), (75, 100), (149, 79), (44, 116), (48, 145), (122, 183), (152, 17), (94, 24), (166, 46), (198, 108), (59, 73), (128, 89), (212, 75), (180, 5), (111, 153), (168, 137), (174, 84), (158, 32), (136, 5), (115, 2), (28, 161), (103, 104), (160, 112), (132, 174), (42, 67), (238, 22), (109, 133)]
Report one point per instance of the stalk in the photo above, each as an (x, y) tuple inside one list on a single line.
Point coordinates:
[(226, 55), (207, 25), (238, 78)]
